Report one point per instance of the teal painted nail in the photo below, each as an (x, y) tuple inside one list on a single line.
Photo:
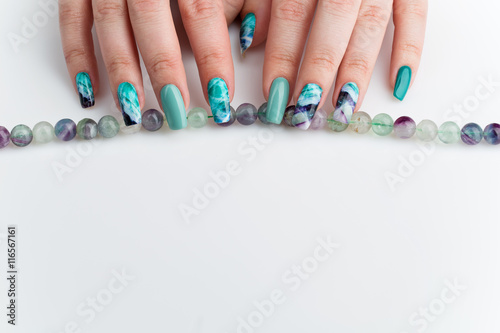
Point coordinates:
[(278, 99), (218, 97), (129, 103), (85, 90), (402, 82), (173, 106), (306, 106), (246, 32)]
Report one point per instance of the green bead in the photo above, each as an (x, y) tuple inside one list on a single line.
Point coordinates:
[(449, 132), (197, 118), (86, 129), (336, 126), (21, 135), (361, 122), (382, 124), (108, 127), (43, 132)]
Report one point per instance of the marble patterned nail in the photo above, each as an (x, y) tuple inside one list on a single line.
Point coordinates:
[(247, 31), (85, 90), (306, 106), (129, 103), (346, 103), (218, 97)]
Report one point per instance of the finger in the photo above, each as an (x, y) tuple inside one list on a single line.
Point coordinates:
[(120, 57), (231, 9), (360, 58), (157, 40), (255, 17), (206, 27), (75, 19), (410, 18), (288, 29)]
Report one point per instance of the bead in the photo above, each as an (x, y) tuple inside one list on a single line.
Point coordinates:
[(21, 135), (334, 125), (65, 129), (131, 129), (86, 129), (319, 120), (232, 119), (152, 120), (197, 118), (471, 134), (287, 118), (246, 114), (361, 122), (404, 127), (108, 126), (449, 132), (262, 114), (427, 130), (4, 137), (382, 124), (43, 132), (492, 134)]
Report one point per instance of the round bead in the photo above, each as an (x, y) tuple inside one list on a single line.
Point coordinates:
[(132, 129), (262, 114), (152, 120), (108, 126), (197, 118), (471, 134), (404, 127), (449, 132), (43, 132), (4, 137), (65, 129), (382, 124), (287, 118), (21, 135), (246, 114), (232, 119), (86, 129), (492, 134), (319, 120), (427, 130), (361, 122), (336, 126)]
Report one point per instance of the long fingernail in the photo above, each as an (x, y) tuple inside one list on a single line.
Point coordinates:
[(246, 32), (85, 90), (306, 106), (402, 82), (173, 106), (218, 97), (278, 99), (346, 103), (129, 103)]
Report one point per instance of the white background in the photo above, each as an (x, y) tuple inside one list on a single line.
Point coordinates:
[(118, 208)]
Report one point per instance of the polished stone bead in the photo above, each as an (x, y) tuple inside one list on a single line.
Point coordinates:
[(86, 129), (4, 137), (65, 129), (492, 134), (197, 118), (404, 127), (246, 114), (108, 126), (130, 129), (287, 118), (382, 124), (232, 119), (427, 130), (449, 132), (471, 134), (262, 114), (43, 132), (334, 125), (21, 135), (319, 120), (152, 120), (361, 122)]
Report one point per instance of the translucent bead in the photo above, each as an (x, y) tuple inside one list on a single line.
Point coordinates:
[(152, 120), (404, 127), (471, 134), (232, 119), (4, 137), (449, 132), (86, 129), (43, 132), (361, 122), (427, 130), (108, 127), (197, 118), (21, 135), (65, 129), (246, 114), (262, 114), (382, 124), (336, 126), (492, 134), (287, 118), (131, 129), (319, 120)]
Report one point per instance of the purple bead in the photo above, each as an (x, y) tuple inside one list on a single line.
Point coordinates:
[(287, 118), (492, 134), (246, 114), (65, 129), (152, 120), (471, 134), (262, 114), (404, 127), (232, 119), (4, 137), (319, 120)]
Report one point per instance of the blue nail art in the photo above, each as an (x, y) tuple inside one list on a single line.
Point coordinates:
[(85, 90), (346, 103), (129, 103), (306, 106), (218, 97), (246, 32)]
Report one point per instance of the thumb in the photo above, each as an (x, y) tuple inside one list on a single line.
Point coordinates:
[(255, 15)]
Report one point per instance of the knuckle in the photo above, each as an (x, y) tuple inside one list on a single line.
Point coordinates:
[(118, 64), (106, 9), (73, 55), (293, 10), (411, 47), (163, 62), (324, 60), (338, 7), (145, 6), (358, 64), (412, 8), (284, 58), (69, 16), (201, 9), (374, 15), (211, 59)]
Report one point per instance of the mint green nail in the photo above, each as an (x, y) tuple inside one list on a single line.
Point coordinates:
[(278, 99), (402, 82), (173, 106)]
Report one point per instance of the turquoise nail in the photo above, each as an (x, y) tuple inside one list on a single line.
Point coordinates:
[(247, 31), (306, 106), (129, 103), (402, 82), (173, 106), (278, 100), (85, 90), (218, 97)]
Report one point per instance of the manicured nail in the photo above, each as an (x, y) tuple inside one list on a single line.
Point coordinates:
[(346, 103), (129, 103), (402, 82), (173, 106), (246, 32), (278, 99), (306, 106), (85, 90), (218, 97)]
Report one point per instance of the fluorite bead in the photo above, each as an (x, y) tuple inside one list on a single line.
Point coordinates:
[(361, 122), (319, 120), (404, 127), (65, 129), (336, 126), (108, 127), (382, 124), (232, 119), (287, 118), (492, 134), (246, 114), (471, 134), (4, 137), (197, 118), (427, 130), (262, 114), (86, 129), (43, 132), (131, 129), (152, 120), (21, 135), (449, 132)]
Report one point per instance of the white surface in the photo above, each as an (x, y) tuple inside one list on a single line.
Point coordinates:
[(119, 207)]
